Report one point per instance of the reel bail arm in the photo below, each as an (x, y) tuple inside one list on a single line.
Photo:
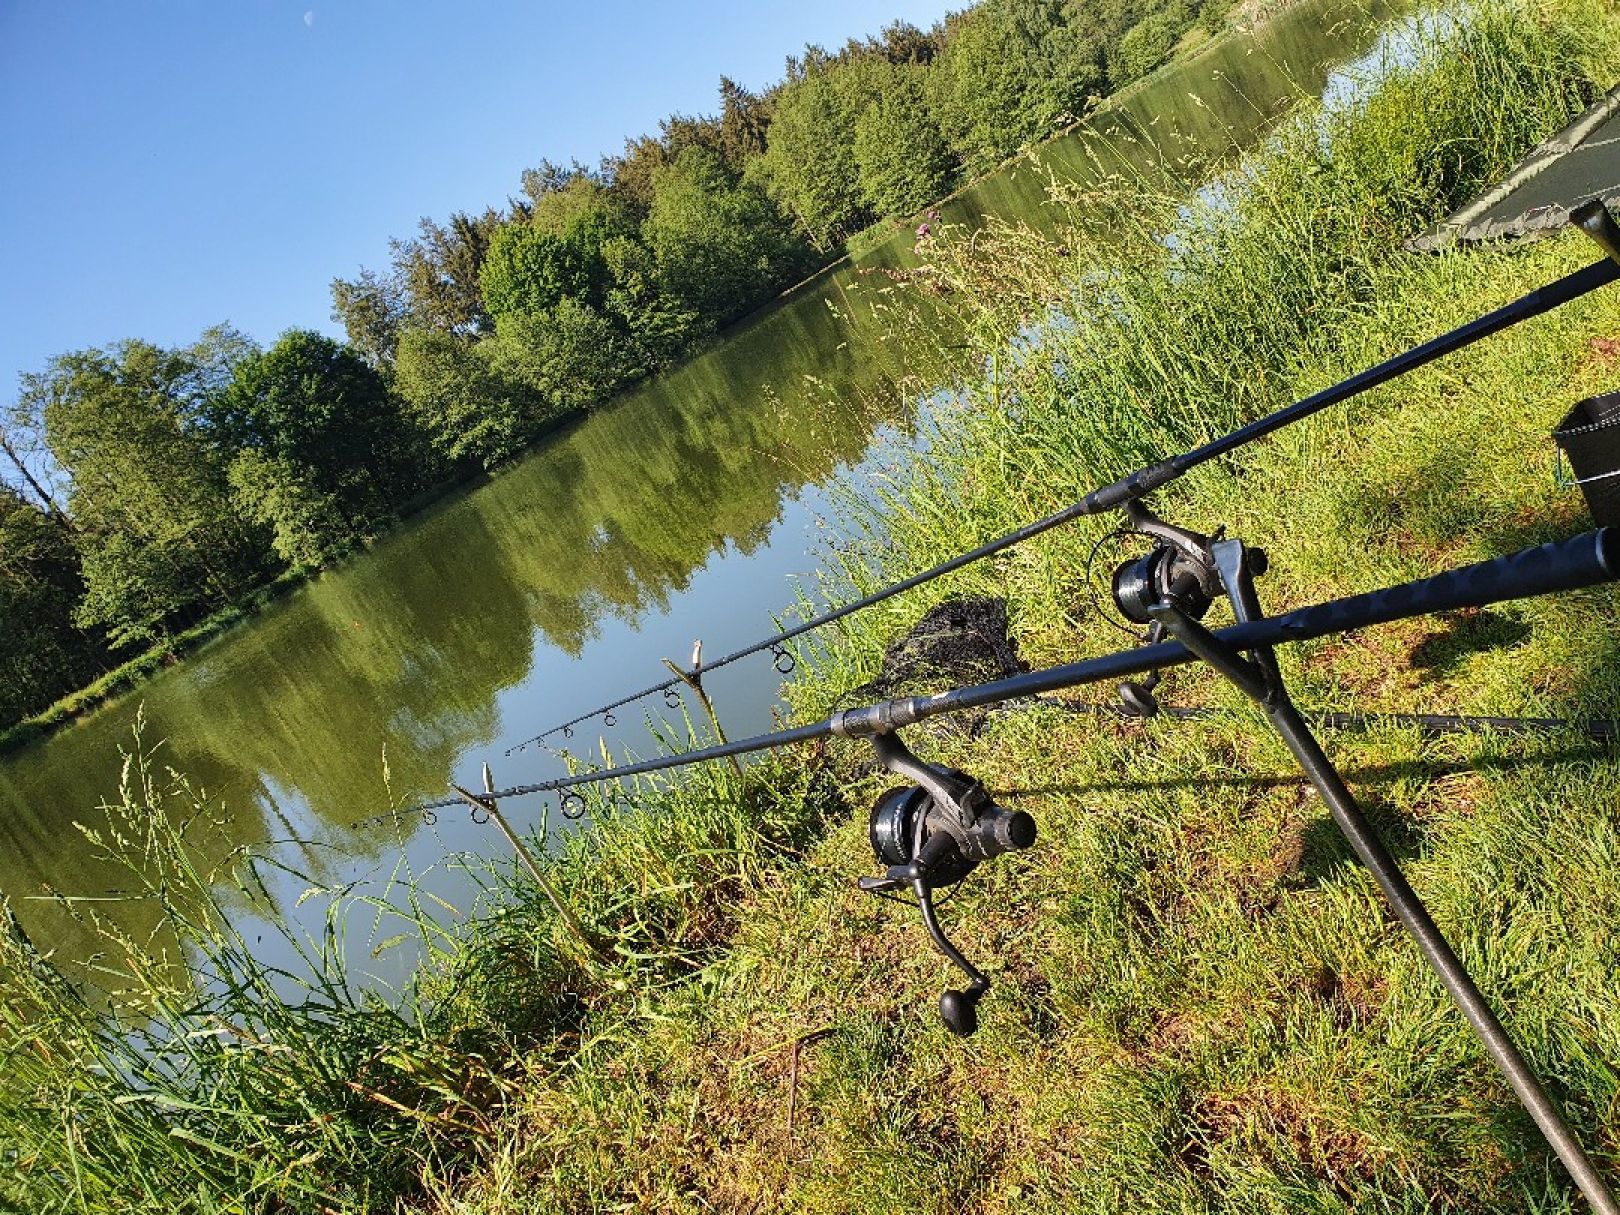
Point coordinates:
[(1179, 569)]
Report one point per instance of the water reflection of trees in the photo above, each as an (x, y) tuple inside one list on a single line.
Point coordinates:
[(407, 648)]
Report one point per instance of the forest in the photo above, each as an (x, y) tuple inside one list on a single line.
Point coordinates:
[(149, 494)]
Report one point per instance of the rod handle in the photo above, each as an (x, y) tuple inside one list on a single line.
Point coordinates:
[(1563, 565)]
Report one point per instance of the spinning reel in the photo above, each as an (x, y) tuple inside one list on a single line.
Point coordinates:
[(932, 834), (1180, 570)]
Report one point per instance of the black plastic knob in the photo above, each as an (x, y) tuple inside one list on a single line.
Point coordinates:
[(1137, 700), (998, 831), (960, 1012)]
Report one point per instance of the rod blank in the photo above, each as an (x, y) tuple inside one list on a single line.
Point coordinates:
[(1128, 489)]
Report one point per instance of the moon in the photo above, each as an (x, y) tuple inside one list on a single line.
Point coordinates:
[(309, 17)]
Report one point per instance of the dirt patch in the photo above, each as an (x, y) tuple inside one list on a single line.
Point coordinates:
[(1605, 351), (1279, 1130), (1353, 1001)]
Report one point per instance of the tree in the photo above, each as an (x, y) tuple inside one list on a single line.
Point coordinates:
[(632, 171), (657, 324), (901, 157), (18, 457), (570, 355), (308, 527), (42, 656), (472, 413), (744, 120), (308, 418), (372, 309), (549, 178), (809, 164), (158, 537), (440, 270), (903, 42), (1012, 71), (529, 270), (718, 244), (1148, 43)]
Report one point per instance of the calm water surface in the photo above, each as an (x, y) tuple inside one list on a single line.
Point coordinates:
[(684, 510)]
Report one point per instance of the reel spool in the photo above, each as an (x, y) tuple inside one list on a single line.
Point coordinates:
[(1178, 569)]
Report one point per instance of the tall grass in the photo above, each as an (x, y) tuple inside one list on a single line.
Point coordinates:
[(1154, 323), (181, 1072), (184, 1073)]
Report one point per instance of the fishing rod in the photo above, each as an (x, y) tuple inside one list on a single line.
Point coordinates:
[(1591, 217), (1585, 561), (933, 832)]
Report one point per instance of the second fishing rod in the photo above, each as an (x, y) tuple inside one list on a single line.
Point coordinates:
[(1592, 218)]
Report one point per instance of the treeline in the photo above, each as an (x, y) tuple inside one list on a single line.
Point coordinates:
[(196, 476), (488, 326)]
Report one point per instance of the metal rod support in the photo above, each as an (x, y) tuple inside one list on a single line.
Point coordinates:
[(1437, 952), (1272, 695)]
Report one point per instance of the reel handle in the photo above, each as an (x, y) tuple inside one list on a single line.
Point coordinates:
[(960, 1009)]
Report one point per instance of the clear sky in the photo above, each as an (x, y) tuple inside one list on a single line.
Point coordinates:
[(166, 165)]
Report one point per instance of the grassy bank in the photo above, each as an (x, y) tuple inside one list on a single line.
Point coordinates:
[(1200, 1002)]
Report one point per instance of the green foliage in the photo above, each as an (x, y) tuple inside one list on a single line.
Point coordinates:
[(319, 449), (472, 413), (308, 526), (570, 355), (157, 533), (1013, 71), (901, 42), (1143, 48), (529, 270), (902, 158), (659, 323), (632, 172), (42, 656), (744, 119), (371, 309), (440, 269), (809, 165), (718, 244)]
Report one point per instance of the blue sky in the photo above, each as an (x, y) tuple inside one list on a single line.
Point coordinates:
[(171, 165)]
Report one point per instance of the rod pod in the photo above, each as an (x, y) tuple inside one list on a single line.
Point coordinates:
[(1258, 676)]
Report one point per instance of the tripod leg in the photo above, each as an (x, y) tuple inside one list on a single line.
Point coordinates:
[(1437, 951), (1258, 677)]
